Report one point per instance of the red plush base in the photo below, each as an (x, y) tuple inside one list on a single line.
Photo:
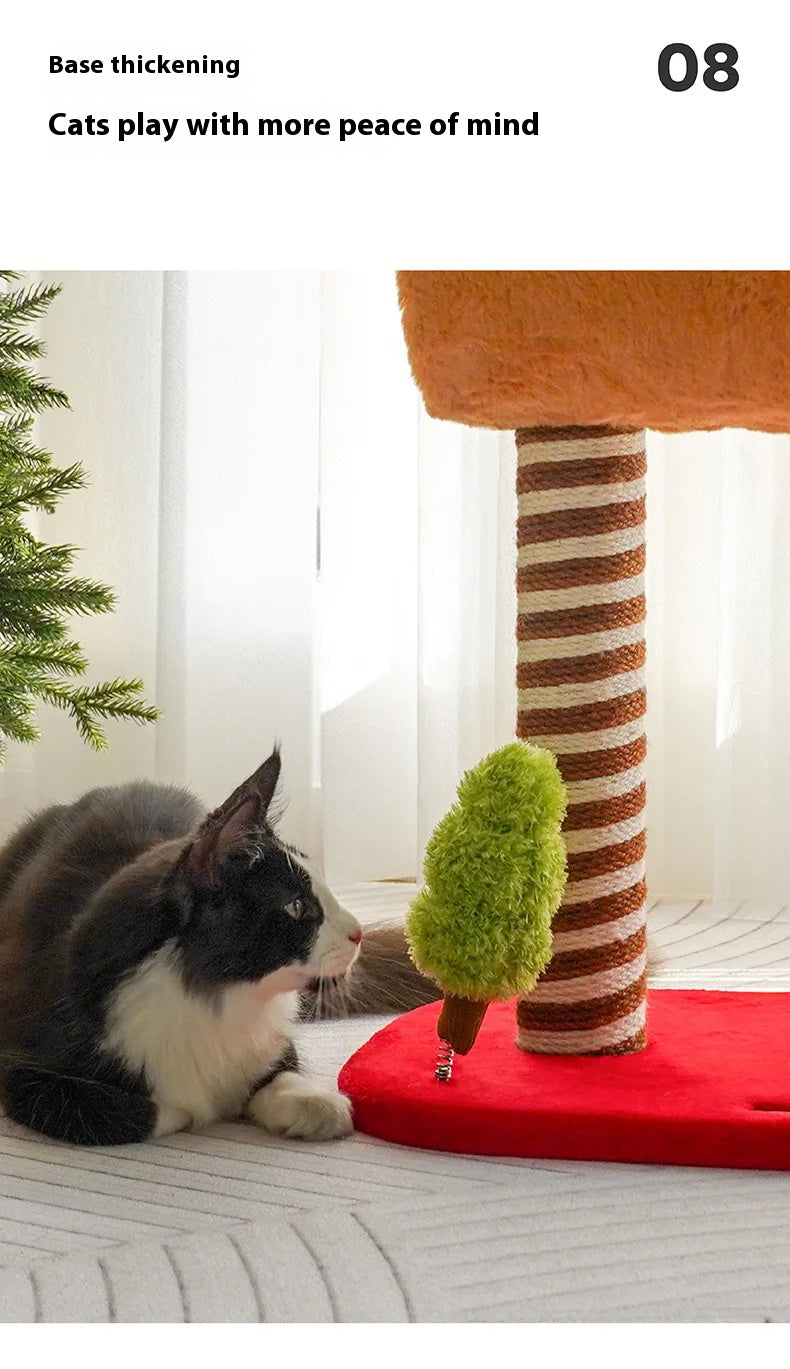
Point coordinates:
[(712, 1088)]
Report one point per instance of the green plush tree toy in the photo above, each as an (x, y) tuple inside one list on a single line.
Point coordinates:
[(38, 593), (495, 870)]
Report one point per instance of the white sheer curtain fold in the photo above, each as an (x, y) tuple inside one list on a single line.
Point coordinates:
[(368, 605), (719, 665), (467, 606), (216, 414)]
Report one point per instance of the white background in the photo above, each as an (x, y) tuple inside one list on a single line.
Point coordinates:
[(622, 174)]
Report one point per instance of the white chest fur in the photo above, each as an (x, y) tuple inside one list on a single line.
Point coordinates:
[(197, 1056)]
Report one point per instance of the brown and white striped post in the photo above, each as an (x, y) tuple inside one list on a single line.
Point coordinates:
[(581, 694)]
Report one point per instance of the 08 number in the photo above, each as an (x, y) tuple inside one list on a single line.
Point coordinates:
[(720, 70)]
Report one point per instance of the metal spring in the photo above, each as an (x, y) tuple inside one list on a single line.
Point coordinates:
[(444, 1065)]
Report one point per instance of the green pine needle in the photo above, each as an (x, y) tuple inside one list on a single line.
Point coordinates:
[(118, 699), (20, 346), (24, 391), (41, 492), (27, 303)]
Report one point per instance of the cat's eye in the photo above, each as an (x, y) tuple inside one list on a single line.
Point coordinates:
[(296, 908)]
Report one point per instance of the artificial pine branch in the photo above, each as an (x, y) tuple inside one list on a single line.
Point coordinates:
[(17, 345), (26, 304), (40, 492), (27, 392), (38, 658)]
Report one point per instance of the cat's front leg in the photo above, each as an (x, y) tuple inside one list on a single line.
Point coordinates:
[(291, 1105)]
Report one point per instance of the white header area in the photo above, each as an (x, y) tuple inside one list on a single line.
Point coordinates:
[(431, 133)]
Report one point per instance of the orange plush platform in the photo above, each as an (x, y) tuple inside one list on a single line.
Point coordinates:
[(670, 350), (711, 1088)]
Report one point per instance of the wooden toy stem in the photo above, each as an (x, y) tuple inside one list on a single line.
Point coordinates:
[(459, 1022)]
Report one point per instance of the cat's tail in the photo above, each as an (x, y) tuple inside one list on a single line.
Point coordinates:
[(383, 980)]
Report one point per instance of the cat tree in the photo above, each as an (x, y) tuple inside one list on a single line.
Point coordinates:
[(579, 364)]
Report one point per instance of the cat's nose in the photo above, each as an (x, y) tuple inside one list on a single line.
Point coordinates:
[(356, 936)]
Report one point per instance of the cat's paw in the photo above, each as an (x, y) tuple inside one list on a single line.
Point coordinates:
[(169, 1119), (291, 1106)]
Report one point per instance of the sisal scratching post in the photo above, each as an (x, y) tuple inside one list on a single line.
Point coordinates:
[(581, 694)]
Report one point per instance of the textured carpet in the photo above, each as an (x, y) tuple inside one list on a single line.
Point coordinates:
[(232, 1225)]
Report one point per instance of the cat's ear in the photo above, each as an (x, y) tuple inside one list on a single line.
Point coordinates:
[(222, 832), (264, 780), (261, 784)]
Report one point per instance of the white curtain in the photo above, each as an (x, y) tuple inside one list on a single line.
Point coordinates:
[(301, 553), (718, 592), (216, 415)]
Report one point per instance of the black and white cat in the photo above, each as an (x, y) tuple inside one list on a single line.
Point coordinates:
[(153, 962)]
